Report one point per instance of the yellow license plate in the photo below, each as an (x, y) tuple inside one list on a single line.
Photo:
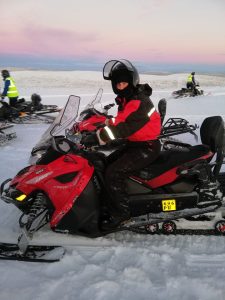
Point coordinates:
[(168, 205)]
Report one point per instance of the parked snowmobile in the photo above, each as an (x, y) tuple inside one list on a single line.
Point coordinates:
[(185, 92), (182, 188), (28, 111), (93, 116), (35, 106)]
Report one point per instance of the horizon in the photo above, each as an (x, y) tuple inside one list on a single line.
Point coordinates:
[(34, 63)]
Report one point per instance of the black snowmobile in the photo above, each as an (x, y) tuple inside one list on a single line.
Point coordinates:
[(181, 192), (28, 111), (185, 92), (35, 106)]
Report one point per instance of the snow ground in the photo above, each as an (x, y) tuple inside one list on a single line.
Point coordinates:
[(123, 265)]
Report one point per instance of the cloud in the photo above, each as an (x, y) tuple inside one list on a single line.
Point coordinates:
[(46, 41), (52, 34), (59, 40)]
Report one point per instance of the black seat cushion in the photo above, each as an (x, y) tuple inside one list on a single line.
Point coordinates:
[(213, 133), (170, 159)]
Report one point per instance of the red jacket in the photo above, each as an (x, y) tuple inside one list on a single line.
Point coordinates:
[(137, 119)]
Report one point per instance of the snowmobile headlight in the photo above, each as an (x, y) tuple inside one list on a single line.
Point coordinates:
[(21, 197)]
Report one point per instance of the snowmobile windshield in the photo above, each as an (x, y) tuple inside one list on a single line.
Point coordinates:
[(66, 116), (110, 65), (94, 106)]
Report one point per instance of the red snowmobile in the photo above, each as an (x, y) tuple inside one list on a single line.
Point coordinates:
[(182, 189)]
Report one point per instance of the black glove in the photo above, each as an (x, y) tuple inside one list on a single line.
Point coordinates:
[(90, 140)]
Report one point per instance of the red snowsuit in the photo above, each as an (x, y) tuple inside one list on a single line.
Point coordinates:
[(139, 123)]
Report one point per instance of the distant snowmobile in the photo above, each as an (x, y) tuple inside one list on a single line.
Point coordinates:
[(185, 92), (35, 105)]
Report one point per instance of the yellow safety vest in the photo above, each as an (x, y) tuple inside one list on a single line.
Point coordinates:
[(12, 90), (189, 78)]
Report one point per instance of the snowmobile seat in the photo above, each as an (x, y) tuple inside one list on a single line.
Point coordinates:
[(20, 100), (173, 158), (212, 133)]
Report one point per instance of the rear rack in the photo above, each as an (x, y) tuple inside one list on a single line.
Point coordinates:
[(175, 126)]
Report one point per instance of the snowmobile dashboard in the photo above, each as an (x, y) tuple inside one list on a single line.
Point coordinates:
[(62, 144)]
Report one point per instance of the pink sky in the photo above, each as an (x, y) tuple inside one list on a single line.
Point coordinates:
[(144, 30)]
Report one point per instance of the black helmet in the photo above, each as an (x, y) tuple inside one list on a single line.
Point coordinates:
[(5, 73), (192, 73), (120, 71)]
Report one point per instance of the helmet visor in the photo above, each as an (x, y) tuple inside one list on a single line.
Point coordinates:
[(110, 65)]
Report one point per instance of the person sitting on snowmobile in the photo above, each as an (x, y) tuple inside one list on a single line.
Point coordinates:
[(10, 89), (191, 83), (138, 122)]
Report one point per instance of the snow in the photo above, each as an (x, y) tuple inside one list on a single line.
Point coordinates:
[(123, 265)]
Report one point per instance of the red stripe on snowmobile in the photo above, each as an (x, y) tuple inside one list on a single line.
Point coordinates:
[(163, 179), (168, 176)]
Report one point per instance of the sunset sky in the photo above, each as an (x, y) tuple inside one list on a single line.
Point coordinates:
[(151, 31)]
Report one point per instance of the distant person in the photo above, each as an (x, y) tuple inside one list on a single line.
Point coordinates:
[(10, 89), (191, 83)]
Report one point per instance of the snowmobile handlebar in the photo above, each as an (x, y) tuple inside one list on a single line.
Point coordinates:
[(108, 106)]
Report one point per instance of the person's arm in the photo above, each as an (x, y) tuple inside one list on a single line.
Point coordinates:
[(6, 87), (193, 80), (134, 117)]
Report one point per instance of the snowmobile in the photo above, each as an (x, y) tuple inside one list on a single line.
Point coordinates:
[(94, 115), (185, 92), (29, 112), (35, 105), (7, 133), (182, 190)]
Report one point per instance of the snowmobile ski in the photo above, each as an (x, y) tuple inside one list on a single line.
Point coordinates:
[(5, 125), (34, 253)]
